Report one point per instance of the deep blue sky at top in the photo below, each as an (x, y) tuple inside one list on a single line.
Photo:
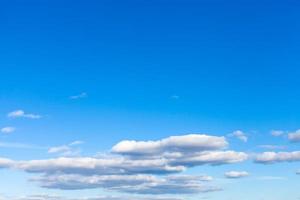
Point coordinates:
[(226, 60)]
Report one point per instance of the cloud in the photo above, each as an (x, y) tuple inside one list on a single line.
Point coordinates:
[(298, 172), (66, 150), (55, 197), (273, 157), (142, 167), (79, 96), (6, 163), (8, 129), (236, 174), (19, 145), (277, 133), (104, 166), (187, 150), (209, 157), (138, 184), (185, 143), (294, 136), (240, 135), (271, 178), (22, 114), (77, 142), (175, 97)]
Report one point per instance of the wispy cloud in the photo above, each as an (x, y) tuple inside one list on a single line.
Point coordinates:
[(79, 96), (66, 150), (22, 114), (240, 135), (8, 129), (277, 133), (271, 178), (19, 145), (175, 97), (236, 174)]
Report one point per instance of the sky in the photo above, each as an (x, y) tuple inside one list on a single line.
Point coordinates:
[(149, 100)]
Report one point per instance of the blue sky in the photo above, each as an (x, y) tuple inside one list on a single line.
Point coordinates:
[(80, 79)]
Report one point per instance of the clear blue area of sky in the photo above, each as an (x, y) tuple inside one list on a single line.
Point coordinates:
[(151, 69)]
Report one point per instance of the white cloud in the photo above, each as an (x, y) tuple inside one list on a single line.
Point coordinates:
[(55, 197), (22, 114), (66, 150), (273, 157), (298, 172), (277, 133), (135, 159), (139, 184), (192, 142), (89, 165), (209, 157), (8, 129), (271, 178), (77, 142), (240, 135), (294, 136), (79, 96), (236, 174), (6, 163)]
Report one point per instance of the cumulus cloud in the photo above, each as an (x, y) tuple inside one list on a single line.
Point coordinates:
[(236, 174), (277, 133), (209, 157), (22, 114), (192, 142), (294, 136), (274, 157), (79, 96), (89, 165), (133, 166), (139, 184), (8, 129), (240, 135)]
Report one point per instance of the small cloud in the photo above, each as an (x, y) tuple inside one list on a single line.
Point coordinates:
[(77, 142), (79, 96), (66, 150), (8, 129), (271, 178), (236, 174), (175, 97), (240, 135), (22, 114), (294, 136), (298, 172), (277, 133)]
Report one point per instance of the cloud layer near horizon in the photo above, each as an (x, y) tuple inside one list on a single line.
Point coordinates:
[(140, 167)]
